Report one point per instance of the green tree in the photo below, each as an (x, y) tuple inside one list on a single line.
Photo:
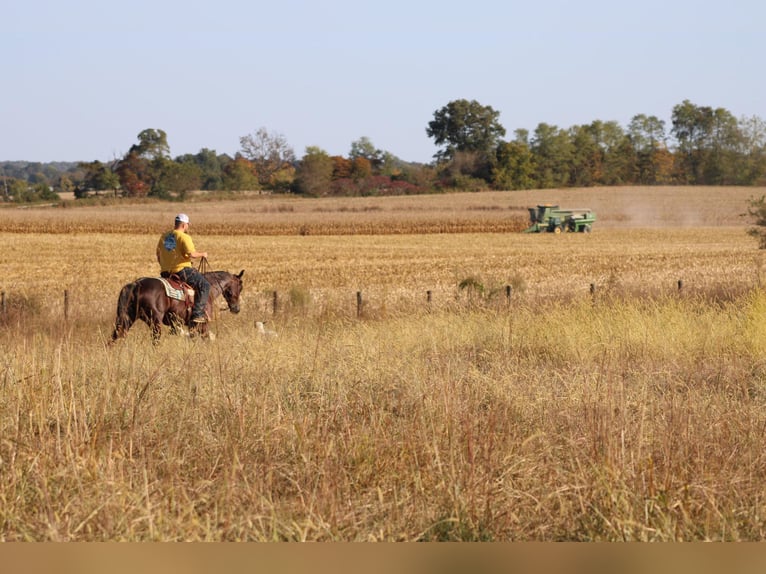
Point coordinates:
[(152, 144), (692, 126), (514, 166), (751, 161), (467, 127), (97, 177), (553, 152), (314, 172), (720, 161), (618, 162), (181, 178), (44, 192), (757, 212), (210, 167), (364, 148), (20, 191), (587, 157)]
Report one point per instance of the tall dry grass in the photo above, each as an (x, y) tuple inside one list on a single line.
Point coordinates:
[(620, 420)]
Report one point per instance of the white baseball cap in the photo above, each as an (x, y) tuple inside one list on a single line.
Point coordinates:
[(182, 218)]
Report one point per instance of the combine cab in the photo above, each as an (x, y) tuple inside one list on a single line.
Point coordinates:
[(553, 219)]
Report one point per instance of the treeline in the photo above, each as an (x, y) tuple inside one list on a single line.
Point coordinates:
[(702, 146)]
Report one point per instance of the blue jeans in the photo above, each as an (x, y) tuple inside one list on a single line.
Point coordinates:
[(201, 289)]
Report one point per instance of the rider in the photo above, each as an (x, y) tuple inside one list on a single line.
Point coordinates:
[(175, 250)]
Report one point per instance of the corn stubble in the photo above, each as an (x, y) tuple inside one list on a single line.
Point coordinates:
[(634, 411)]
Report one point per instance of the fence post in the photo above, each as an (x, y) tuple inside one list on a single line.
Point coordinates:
[(358, 304), (593, 291), (508, 292), (274, 303), (680, 285), (3, 308), (66, 305)]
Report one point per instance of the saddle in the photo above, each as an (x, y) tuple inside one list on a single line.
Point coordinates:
[(177, 289)]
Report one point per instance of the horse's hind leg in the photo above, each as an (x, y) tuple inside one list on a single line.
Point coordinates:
[(122, 324)]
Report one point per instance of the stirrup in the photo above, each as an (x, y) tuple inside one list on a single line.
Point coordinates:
[(202, 319)]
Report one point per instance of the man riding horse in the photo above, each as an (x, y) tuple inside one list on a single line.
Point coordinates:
[(175, 250)]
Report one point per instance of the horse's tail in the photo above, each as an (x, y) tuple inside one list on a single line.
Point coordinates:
[(126, 310)]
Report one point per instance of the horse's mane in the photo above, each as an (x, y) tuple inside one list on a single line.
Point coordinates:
[(216, 275), (217, 279)]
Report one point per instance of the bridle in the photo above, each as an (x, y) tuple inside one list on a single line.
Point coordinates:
[(204, 268)]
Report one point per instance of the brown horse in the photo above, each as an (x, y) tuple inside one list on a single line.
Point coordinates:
[(146, 299)]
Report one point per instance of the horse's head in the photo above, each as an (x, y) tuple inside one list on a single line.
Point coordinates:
[(232, 290)]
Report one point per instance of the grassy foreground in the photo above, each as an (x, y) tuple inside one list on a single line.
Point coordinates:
[(638, 419)]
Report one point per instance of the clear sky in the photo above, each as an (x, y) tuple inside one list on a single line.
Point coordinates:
[(81, 78)]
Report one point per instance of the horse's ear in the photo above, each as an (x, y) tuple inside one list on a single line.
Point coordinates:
[(241, 273)]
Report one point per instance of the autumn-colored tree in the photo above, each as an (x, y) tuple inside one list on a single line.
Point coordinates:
[(361, 168), (282, 180), (341, 167), (133, 172)]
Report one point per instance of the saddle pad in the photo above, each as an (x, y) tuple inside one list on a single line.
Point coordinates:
[(171, 291)]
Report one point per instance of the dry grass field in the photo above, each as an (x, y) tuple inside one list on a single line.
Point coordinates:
[(617, 391)]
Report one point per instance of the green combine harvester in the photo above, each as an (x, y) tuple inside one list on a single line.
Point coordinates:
[(553, 219)]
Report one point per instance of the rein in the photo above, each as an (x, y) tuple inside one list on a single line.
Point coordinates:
[(204, 267)]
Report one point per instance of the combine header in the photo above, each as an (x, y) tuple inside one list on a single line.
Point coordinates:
[(556, 220)]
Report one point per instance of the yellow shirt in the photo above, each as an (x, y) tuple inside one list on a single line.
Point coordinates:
[(174, 250)]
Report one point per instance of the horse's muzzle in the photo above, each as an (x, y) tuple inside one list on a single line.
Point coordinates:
[(234, 308)]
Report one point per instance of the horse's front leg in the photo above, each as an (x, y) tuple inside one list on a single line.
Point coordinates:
[(156, 326)]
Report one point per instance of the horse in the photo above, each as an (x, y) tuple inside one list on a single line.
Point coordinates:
[(147, 299)]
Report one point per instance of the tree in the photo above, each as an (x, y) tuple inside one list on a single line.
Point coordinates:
[(514, 166), (719, 166), (269, 153), (692, 126), (587, 157), (210, 166), (181, 178), (751, 163), (757, 211), (97, 177), (363, 148), (314, 172), (649, 140), (465, 126), (553, 151), (361, 168), (240, 175), (341, 167), (133, 172), (142, 169), (152, 144)]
